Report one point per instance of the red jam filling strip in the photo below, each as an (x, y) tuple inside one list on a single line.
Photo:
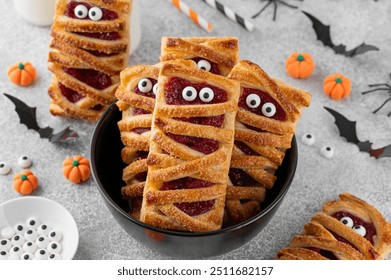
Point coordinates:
[(190, 208), (140, 130), (216, 121), (100, 54), (245, 149), (240, 178), (214, 69), (91, 77), (262, 108), (71, 95), (72, 12), (107, 36), (369, 227), (202, 145)]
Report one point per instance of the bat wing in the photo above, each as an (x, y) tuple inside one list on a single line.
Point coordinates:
[(382, 152), (346, 128), (27, 116), (323, 34), (63, 135), (322, 31)]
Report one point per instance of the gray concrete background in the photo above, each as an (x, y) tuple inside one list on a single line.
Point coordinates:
[(317, 179)]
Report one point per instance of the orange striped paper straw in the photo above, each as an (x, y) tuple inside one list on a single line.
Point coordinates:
[(200, 21)]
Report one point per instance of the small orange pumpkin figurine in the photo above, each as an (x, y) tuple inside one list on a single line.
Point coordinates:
[(337, 86), (76, 169), (300, 65), (22, 74), (25, 182)]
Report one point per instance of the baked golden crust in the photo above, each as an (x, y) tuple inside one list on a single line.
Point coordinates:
[(128, 102), (169, 160), (72, 50), (224, 51), (265, 137), (333, 233)]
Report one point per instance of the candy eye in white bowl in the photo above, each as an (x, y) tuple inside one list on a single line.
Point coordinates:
[(45, 212)]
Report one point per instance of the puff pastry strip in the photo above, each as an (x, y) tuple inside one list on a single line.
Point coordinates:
[(186, 187), (348, 228), (136, 95), (220, 53), (267, 116), (90, 43)]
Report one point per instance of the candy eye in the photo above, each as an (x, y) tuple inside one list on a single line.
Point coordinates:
[(5, 245), (41, 254), (24, 162), (327, 152), (3, 255), (81, 11), (269, 109), (347, 221), (17, 240), (204, 65), (4, 168), (206, 94), (308, 139), (155, 89), (253, 100), (42, 242), (55, 235), (16, 251), (30, 235), (145, 85), (189, 93), (43, 230), (32, 223), (54, 247), (30, 247), (54, 257), (360, 230), (26, 256), (95, 14), (19, 228)]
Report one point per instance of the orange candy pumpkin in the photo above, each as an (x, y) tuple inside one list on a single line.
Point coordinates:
[(76, 169), (25, 182), (337, 86), (22, 74), (300, 65)]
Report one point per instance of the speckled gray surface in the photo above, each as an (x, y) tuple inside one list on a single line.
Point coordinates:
[(317, 179)]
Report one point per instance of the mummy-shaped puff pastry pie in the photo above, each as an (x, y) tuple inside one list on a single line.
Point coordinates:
[(90, 43), (346, 229), (214, 54), (190, 148), (136, 100), (267, 115)]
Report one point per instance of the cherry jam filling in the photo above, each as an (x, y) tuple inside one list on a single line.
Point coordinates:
[(141, 176), (139, 111), (106, 14), (216, 121), (149, 93), (71, 95), (214, 69), (245, 149), (202, 145), (140, 130), (100, 54), (369, 227), (240, 178), (190, 208), (107, 36), (265, 98), (91, 77), (175, 85)]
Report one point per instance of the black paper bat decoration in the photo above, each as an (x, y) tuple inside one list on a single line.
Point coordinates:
[(275, 4), (323, 34), (27, 116), (347, 129)]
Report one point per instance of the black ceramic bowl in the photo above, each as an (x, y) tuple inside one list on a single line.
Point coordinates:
[(107, 171)]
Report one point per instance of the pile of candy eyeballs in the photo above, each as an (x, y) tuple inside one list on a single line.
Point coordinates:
[(31, 240)]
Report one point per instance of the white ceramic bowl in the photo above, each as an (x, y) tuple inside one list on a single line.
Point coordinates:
[(18, 210)]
